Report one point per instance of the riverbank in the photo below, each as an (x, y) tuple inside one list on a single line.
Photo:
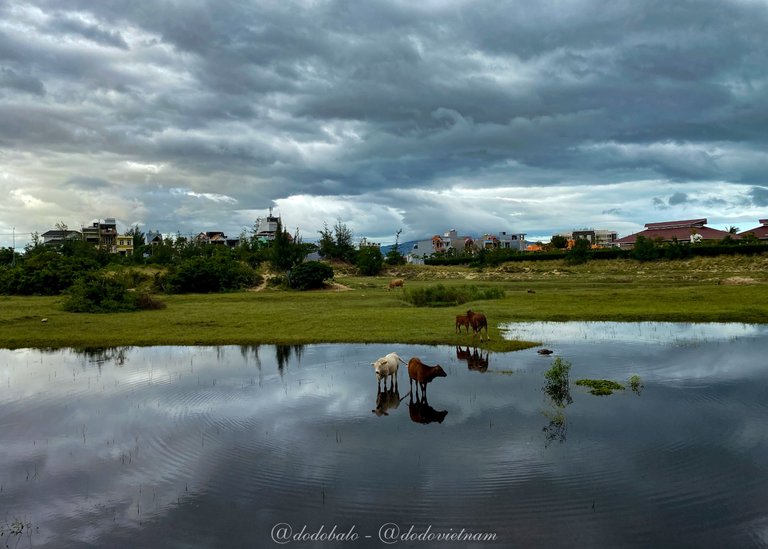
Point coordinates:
[(699, 290)]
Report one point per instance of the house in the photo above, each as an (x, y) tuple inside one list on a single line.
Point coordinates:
[(102, 235), (761, 232), (218, 238), (58, 236), (154, 238), (448, 241), (124, 245), (689, 230), (600, 238), (266, 228), (502, 240)]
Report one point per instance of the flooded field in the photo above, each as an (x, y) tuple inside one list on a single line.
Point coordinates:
[(257, 446)]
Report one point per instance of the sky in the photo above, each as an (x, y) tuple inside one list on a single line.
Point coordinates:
[(481, 116)]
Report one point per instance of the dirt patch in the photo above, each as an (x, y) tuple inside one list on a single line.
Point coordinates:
[(738, 280)]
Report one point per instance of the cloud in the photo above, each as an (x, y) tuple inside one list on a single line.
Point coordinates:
[(386, 112), (759, 196)]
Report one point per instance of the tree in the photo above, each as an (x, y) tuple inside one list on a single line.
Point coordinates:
[(337, 244), (558, 241), (394, 257), (138, 237), (644, 249), (369, 260), (286, 252), (579, 253)]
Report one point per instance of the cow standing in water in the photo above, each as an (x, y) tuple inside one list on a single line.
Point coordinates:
[(386, 367), (423, 374), (478, 322)]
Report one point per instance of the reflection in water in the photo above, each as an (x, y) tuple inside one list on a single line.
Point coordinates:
[(179, 447), (388, 399), (557, 388), (421, 412), (476, 359), (284, 352), (557, 427)]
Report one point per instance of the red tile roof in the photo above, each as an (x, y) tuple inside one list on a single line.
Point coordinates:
[(677, 230), (760, 232)]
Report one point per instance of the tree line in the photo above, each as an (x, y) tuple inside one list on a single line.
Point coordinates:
[(183, 265)]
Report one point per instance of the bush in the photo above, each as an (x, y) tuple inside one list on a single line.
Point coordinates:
[(96, 293), (208, 274), (557, 382), (442, 296), (309, 275), (369, 261)]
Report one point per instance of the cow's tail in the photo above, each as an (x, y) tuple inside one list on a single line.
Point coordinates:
[(401, 360)]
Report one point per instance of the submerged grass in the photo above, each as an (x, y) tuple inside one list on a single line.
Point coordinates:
[(600, 387), (369, 313)]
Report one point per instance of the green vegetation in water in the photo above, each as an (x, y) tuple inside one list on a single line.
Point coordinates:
[(441, 295), (636, 384), (557, 382), (601, 387)]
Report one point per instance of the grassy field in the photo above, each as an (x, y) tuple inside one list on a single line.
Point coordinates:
[(362, 310)]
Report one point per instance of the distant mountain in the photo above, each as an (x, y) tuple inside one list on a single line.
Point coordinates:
[(404, 247)]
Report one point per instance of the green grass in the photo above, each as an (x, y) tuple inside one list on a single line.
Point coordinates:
[(622, 290)]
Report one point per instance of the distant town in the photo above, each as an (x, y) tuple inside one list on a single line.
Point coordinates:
[(104, 234)]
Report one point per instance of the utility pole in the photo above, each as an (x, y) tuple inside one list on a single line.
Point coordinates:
[(13, 251)]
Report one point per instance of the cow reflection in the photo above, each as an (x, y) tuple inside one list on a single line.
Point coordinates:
[(421, 412), (476, 359), (388, 399)]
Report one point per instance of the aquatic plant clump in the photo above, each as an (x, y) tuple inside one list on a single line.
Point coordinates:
[(557, 382), (636, 384), (601, 387)]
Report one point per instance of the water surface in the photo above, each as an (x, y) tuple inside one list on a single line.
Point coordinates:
[(215, 446)]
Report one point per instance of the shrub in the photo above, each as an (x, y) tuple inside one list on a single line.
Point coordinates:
[(442, 296), (309, 275), (96, 293), (557, 382), (369, 261), (208, 274)]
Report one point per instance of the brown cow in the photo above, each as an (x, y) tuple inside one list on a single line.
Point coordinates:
[(396, 283), (478, 322), (462, 320), (423, 374)]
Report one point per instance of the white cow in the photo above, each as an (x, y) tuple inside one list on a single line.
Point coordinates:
[(386, 366)]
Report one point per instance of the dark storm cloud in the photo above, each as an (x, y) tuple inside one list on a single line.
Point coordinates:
[(677, 198), (759, 196), (264, 100)]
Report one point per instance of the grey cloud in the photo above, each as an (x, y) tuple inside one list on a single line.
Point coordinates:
[(73, 25), (87, 183), (343, 98), (14, 80), (677, 199), (759, 196)]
